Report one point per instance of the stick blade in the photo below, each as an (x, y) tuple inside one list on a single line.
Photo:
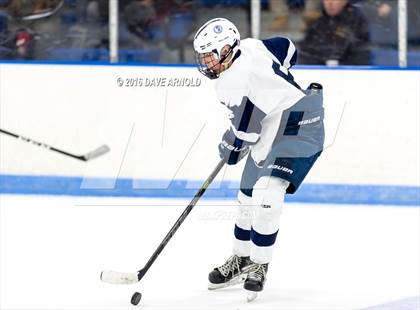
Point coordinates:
[(103, 149), (114, 277)]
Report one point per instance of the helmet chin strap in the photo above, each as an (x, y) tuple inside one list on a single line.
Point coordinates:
[(222, 59)]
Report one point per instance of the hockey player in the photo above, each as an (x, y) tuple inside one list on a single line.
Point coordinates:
[(273, 121)]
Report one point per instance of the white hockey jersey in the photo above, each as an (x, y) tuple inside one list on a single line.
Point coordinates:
[(257, 88)]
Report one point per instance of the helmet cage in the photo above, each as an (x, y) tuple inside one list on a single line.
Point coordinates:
[(207, 67)]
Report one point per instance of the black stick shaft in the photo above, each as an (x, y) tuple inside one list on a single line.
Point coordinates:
[(181, 219), (40, 144)]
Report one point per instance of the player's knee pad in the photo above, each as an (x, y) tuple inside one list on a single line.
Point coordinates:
[(268, 196), (270, 189), (244, 199), (245, 211)]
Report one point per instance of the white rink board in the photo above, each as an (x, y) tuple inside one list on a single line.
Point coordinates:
[(166, 132)]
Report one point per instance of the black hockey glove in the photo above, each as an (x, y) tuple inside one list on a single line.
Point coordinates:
[(232, 149)]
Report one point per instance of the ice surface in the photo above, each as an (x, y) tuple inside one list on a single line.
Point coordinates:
[(52, 250)]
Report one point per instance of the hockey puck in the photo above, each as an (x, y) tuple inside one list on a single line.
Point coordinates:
[(136, 298)]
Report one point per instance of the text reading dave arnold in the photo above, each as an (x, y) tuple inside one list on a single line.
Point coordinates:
[(159, 82)]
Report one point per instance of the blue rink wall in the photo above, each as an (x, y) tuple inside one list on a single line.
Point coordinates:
[(308, 193), (163, 125)]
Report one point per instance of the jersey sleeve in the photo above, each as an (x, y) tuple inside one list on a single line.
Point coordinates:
[(246, 121), (283, 49), (245, 116)]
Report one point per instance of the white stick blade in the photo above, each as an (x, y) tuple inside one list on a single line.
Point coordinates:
[(114, 277), (98, 152)]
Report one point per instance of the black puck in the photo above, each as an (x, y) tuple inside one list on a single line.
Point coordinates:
[(136, 298)]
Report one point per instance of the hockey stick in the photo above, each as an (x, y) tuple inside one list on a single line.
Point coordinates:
[(115, 277), (86, 157)]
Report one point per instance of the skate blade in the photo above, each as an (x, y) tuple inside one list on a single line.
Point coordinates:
[(251, 296), (238, 280)]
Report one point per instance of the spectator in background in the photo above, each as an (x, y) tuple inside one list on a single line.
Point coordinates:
[(14, 44), (339, 37), (139, 15), (145, 19), (98, 10), (4, 4), (13, 7), (383, 21), (384, 9), (414, 24), (24, 44), (6, 38), (281, 10)]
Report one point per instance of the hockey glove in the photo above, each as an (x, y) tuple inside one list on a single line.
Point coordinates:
[(232, 149)]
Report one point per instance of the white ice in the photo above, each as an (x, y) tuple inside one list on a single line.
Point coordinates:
[(52, 250)]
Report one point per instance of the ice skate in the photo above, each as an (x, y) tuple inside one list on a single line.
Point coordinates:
[(232, 272), (255, 280)]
